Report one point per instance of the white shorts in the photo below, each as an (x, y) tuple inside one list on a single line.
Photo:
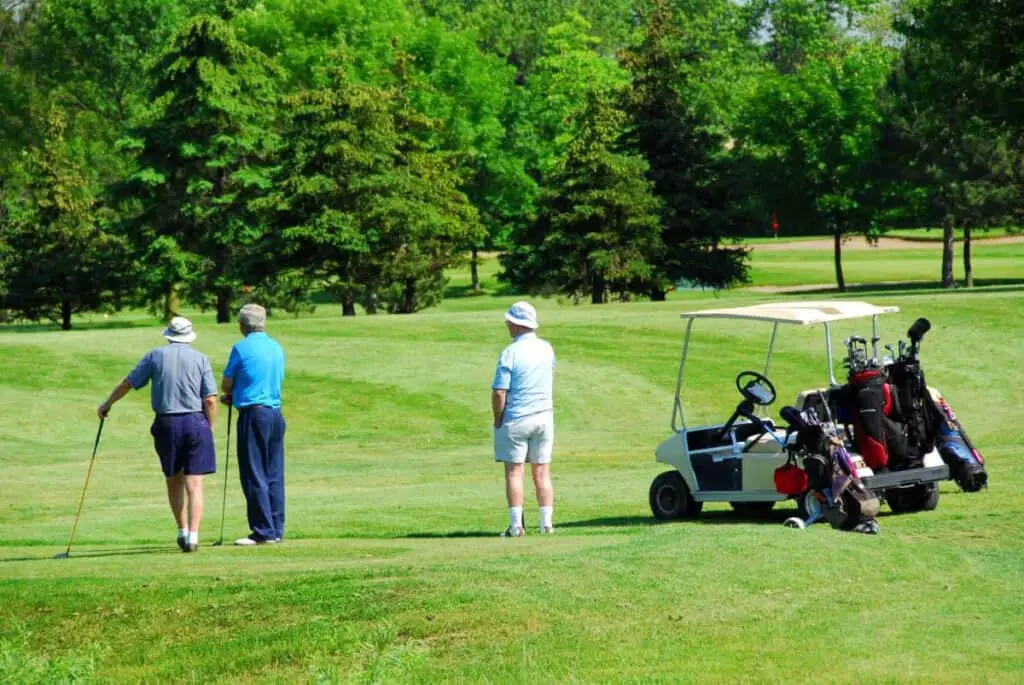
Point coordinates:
[(530, 438)]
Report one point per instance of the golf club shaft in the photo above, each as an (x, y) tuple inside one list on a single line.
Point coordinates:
[(81, 500), (227, 460)]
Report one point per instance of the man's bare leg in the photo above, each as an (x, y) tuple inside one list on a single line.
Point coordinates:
[(545, 494), (176, 498), (196, 502), (514, 494)]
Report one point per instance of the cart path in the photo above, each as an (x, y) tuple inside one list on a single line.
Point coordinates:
[(861, 243)]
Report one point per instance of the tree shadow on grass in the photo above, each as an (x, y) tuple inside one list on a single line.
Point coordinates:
[(452, 535), (129, 552), (773, 517), (116, 324), (980, 285)]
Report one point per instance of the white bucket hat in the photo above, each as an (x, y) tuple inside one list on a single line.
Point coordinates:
[(522, 314), (180, 330)]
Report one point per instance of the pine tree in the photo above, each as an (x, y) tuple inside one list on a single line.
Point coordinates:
[(597, 226), (200, 163), (56, 260)]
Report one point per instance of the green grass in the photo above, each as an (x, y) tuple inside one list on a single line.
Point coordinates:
[(993, 265), (393, 572)]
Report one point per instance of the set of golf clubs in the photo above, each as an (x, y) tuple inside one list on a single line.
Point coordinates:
[(857, 358), (99, 431)]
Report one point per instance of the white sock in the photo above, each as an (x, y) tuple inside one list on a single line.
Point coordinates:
[(193, 537), (183, 532), (545, 516), (515, 517)]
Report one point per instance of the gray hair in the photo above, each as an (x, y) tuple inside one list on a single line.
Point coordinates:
[(253, 318)]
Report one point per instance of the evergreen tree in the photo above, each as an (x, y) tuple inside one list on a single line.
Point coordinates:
[(597, 226), (685, 146), (200, 163), (55, 260)]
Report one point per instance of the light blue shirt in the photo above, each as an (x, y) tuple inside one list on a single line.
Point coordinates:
[(525, 371), (181, 377), (256, 365)]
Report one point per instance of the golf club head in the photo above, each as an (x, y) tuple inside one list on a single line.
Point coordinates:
[(63, 555), (217, 544)]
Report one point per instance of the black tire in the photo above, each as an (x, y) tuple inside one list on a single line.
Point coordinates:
[(670, 499), (752, 509), (913, 498)]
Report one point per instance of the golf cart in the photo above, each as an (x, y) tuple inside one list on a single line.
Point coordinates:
[(736, 461)]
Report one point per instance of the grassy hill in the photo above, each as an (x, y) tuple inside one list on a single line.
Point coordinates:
[(393, 571)]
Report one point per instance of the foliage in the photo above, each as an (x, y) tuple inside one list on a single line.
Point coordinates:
[(200, 162), (680, 129), (55, 259), (597, 227)]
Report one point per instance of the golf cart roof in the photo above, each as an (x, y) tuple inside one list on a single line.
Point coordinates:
[(801, 313)]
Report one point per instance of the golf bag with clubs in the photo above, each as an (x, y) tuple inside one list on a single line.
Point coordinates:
[(928, 420), (831, 475)]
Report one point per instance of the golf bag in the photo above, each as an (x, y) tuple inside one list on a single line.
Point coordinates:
[(832, 477), (966, 464), (874, 409)]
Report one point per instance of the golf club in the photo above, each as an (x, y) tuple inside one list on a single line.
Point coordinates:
[(224, 501), (67, 553)]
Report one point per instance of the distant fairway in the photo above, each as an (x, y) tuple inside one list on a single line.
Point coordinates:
[(393, 571)]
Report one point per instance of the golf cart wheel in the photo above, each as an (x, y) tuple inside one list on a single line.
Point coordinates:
[(914, 498), (807, 505), (670, 499), (752, 509)]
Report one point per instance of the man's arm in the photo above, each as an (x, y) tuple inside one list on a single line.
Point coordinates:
[(210, 409), (498, 406), (227, 384), (116, 394)]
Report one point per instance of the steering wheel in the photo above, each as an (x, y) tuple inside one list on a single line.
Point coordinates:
[(756, 388)]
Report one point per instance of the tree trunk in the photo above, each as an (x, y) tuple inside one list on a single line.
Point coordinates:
[(597, 290), (474, 271), (838, 242), (224, 305), (171, 303), (348, 305), (65, 315), (657, 295), (948, 236), (968, 270), (371, 301), (409, 296)]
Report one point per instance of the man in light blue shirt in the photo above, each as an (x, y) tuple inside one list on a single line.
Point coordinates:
[(523, 408), (252, 384)]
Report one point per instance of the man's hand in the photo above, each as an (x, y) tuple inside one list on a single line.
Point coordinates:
[(103, 410), (498, 406), (225, 399)]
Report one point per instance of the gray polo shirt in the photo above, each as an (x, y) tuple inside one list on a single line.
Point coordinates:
[(181, 377)]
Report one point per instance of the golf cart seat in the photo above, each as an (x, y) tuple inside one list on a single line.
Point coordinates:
[(708, 438)]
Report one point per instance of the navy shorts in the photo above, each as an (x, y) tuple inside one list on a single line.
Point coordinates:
[(184, 443)]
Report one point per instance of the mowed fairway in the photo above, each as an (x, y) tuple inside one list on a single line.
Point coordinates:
[(393, 571)]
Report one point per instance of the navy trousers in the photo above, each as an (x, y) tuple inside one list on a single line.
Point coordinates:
[(261, 468)]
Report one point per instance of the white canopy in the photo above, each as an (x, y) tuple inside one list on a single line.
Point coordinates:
[(801, 313)]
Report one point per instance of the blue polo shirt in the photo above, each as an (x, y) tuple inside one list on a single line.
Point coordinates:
[(256, 365)]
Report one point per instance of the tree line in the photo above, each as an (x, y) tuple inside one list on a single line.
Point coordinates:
[(205, 152)]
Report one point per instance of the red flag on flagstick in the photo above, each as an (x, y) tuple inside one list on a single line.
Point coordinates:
[(775, 225)]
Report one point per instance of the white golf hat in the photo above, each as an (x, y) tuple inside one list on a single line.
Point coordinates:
[(180, 330), (522, 314)]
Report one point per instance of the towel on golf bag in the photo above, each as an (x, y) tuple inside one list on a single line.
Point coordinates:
[(874, 409), (966, 464)]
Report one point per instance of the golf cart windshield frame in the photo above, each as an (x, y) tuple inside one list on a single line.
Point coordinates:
[(795, 313)]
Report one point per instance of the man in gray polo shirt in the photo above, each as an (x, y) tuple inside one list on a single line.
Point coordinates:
[(184, 399)]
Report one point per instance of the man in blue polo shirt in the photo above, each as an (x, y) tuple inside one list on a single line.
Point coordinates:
[(252, 383)]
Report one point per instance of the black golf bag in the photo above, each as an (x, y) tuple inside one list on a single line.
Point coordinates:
[(872, 406)]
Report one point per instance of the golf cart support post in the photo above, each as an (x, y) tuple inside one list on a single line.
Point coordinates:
[(797, 313)]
